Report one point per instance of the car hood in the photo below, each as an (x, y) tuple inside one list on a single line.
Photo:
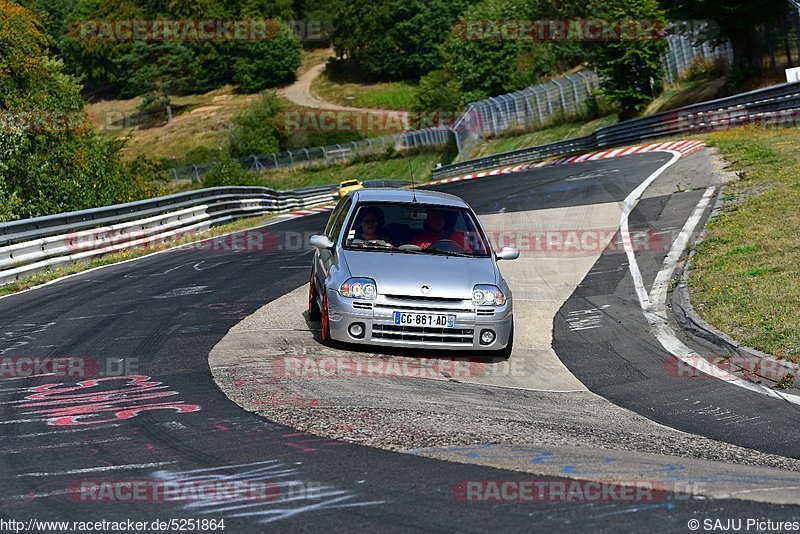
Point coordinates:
[(405, 274)]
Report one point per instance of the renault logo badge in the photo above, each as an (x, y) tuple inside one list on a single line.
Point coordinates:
[(425, 290)]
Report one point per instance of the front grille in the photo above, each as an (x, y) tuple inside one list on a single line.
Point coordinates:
[(362, 305), (407, 298), (422, 307), (456, 336), (485, 312)]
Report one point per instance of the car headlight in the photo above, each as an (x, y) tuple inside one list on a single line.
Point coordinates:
[(359, 288), (487, 295)]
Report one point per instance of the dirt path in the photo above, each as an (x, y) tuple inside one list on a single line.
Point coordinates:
[(300, 92)]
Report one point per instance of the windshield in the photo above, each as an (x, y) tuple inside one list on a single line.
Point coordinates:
[(416, 228)]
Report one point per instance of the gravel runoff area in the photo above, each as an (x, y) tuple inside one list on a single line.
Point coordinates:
[(434, 413), (412, 414)]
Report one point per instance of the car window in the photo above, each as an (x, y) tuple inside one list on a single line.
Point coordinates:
[(336, 227), (404, 225), (337, 213)]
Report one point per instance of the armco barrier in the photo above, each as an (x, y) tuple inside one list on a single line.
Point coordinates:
[(36, 245), (772, 104)]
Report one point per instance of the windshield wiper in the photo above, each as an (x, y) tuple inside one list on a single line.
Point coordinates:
[(447, 253)]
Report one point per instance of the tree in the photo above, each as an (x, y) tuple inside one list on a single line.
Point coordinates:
[(254, 132), (393, 40), (479, 57), (95, 61), (629, 70), (158, 71), (737, 20), (50, 159), (267, 63), (438, 91)]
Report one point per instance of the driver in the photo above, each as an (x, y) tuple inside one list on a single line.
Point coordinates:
[(370, 219), (434, 230)]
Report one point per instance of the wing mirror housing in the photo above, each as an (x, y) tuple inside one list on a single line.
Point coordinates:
[(320, 242), (508, 253)]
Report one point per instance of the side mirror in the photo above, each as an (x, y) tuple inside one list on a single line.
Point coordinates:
[(320, 242), (508, 253)]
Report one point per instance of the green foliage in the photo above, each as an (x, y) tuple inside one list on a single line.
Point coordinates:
[(104, 62), (254, 131), (630, 71), (95, 61), (479, 60), (50, 161), (268, 63), (228, 171), (157, 71), (438, 91), (487, 61), (393, 40)]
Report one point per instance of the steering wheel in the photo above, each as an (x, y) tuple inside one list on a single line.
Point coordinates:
[(447, 245)]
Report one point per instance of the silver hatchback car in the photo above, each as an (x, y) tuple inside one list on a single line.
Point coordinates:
[(410, 269)]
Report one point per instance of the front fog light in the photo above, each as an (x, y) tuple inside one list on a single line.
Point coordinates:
[(357, 330), (487, 337)]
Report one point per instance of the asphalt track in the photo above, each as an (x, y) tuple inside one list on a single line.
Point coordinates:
[(160, 316)]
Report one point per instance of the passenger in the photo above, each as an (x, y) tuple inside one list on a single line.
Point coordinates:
[(435, 230), (369, 221)]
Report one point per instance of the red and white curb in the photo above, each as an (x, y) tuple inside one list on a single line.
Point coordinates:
[(685, 147), (310, 211), (303, 213)]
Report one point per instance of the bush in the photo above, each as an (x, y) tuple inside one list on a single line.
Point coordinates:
[(704, 69), (438, 91), (254, 130), (228, 171), (53, 164), (267, 63)]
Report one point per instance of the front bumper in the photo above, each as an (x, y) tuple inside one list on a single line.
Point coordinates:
[(379, 328)]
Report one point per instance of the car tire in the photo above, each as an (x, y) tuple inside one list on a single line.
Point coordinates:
[(314, 313), (326, 324)]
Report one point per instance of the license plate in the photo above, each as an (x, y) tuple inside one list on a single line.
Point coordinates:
[(433, 320)]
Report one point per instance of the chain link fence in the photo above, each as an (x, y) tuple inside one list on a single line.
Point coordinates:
[(681, 54), (530, 108), (326, 155)]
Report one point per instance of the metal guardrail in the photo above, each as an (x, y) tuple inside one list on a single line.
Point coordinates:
[(776, 104), (36, 245)]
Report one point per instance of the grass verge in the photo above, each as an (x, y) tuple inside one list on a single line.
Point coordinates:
[(745, 276), (395, 168), (559, 132), (387, 95)]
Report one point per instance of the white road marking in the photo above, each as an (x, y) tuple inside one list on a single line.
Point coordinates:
[(67, 444), (586, 319), (654, 305), (95, 469), (57, 433), (184, 291)]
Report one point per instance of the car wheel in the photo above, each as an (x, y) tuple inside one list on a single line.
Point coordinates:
[(326, 325), (314, 313), (506, 352)]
